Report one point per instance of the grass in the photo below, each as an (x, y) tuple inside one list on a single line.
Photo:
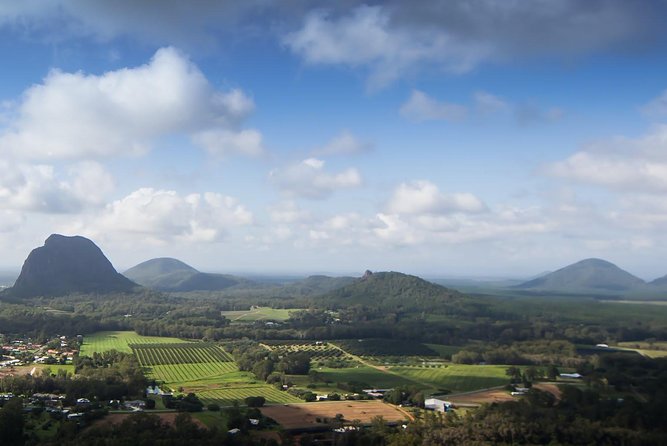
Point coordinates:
[(227, 396), (456, 377), (119, 340), (211, 419), (258, 314), (364, 374), (650, 349)]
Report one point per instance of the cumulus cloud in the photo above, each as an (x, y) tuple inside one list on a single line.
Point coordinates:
[(421, 107), (161, 216), (124, 112), (309, 179), (344, 143), (620, 164), (424, 197), (43, 188)]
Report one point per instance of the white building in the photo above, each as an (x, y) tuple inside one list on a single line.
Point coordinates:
[(437, 404)]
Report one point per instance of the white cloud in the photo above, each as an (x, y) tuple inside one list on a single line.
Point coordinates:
[(125, 112), (366, 38), (226, 142), (160, 216), (620, 164), (344, 143), (421, 107), (42, 188), (308, 179), (288, 212), (424, 197)]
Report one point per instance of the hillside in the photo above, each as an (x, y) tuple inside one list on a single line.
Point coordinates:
[(390, 290), (167, 274), (313, 286), (590, 275), (66, 265)]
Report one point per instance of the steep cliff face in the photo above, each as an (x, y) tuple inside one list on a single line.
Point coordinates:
[(67, 265)]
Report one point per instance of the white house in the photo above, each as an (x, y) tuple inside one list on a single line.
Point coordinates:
[(571, 375), (437, 404)]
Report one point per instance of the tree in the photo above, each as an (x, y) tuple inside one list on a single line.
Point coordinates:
[(255, 401), (11, 422)]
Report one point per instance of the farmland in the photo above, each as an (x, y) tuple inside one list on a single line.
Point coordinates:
[(226, 396), (258, 314), (455, 377), (119, 340), (295, 416), (317, 351), (183, 363)]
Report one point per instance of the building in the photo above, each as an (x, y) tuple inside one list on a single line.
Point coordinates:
[(437, 404)]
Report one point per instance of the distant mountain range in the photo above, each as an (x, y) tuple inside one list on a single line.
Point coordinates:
[(592, 276), (167, 274), (66, 265)]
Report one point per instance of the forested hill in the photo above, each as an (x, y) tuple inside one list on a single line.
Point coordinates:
[(390, 290), (167, 274), (586, 275)]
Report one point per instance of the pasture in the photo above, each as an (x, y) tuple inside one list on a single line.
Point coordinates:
[(119, 340), (455, 377), (373, 377), (258, 314)]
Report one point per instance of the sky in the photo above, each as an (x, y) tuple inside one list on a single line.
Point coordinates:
[(441, 138)]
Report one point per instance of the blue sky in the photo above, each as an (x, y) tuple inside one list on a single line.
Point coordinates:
[(478, 138)]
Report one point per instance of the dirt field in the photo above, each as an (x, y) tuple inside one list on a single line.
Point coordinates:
[(117, 418), (481, 397), (496, 395), (548, 387), (293, 416)]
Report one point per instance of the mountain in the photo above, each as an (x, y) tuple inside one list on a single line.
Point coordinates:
[(659, 282), (391, 290), (66, 265), (313, 286), (167, 274), (590, 275)]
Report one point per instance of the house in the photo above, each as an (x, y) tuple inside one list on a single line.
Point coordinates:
[(571, 375), (437, 404), (136, 405), (234, 431), (254, 421)]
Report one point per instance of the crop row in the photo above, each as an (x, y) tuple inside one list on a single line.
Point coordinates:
[(180, 373), (162, 354), (228, 396)]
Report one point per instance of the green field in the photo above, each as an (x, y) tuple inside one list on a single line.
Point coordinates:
[(363, 374), (456, 377), (650, 349), (103, 341), (258, 314), (227, 396)]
